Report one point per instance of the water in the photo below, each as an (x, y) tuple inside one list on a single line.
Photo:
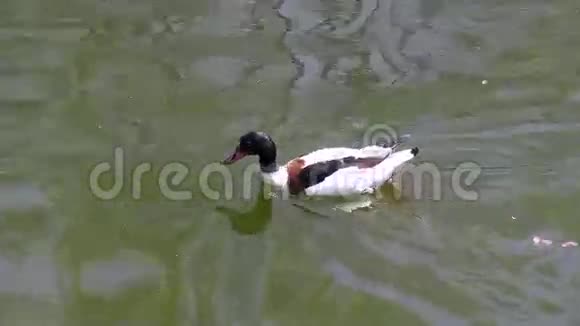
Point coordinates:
[(181, 80)]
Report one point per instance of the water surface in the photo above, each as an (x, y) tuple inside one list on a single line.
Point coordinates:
[(490, 82)]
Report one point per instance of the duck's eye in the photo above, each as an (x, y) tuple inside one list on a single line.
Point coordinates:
[(246, 145)]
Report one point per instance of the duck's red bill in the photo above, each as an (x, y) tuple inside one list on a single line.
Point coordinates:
[(234, 157)]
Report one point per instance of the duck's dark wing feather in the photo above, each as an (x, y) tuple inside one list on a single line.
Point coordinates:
[(316, 173)]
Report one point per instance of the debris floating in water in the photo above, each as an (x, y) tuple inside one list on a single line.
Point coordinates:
[(546, 242), (514, 218), (539, 241), (569, 244), (484, 82)]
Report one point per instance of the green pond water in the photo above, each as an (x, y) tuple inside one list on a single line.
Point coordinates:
[(495, 84)]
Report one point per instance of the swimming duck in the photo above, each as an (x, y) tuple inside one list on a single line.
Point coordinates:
[(334, 171)]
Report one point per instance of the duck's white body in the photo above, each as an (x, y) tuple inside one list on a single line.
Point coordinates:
[(350, 180)]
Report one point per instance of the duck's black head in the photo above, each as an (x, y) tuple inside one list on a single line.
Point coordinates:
[(255, 143)]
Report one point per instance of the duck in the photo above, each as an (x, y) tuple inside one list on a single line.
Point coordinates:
[(331, 171)]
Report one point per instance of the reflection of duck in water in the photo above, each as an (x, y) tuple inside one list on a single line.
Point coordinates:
[(336, 171), (253, 221)]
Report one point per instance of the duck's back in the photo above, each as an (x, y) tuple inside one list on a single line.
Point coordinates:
[(337, 153), (357, 180)]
